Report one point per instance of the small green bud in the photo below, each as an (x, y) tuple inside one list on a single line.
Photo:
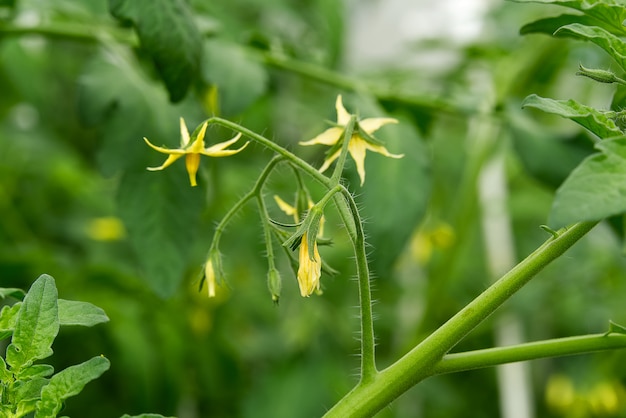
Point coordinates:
[(274, 284), (602, 76)]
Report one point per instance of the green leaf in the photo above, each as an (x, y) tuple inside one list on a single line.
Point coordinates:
[(241, 79), (594, 120), (67, 383), (145, 416), (613, 45), (80, 313), (550, 25), (37, 370), (595, 189), (8, 318), (114, 94), (169, 35), (12, 292), (162, 212), (615, 328), (27, 393), (608, 14), (36, 327)]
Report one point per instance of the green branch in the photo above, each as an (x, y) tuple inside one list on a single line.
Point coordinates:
[(368, 398), (540, 349)]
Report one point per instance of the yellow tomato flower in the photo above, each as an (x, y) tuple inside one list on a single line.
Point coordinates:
[(193, 150), (358, 144), (310, 270)]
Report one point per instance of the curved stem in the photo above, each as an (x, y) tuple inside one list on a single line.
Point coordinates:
[(540, 349), (367, 399), (241, 202), (292, 158)]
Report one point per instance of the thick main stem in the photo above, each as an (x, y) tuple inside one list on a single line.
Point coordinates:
[(370, 397)]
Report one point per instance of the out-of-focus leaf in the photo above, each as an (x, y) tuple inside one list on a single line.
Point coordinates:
[(37, 325), (395, 192), (67, 383), (161, 211), (549, 25), (12, 292), (73, 312), (546, 158), (594, 120), (615, 328), (595, 189), (239, 77), (613, 45), (145, 416), (168, 34), (608, 14), (115, 95)]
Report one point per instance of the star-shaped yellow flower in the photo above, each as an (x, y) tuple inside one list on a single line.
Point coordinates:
[(193, 150), (359, 143)]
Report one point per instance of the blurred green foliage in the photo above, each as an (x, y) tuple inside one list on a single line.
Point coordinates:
[(78, 91)]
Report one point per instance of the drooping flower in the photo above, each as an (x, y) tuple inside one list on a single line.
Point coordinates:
[(309, 269), (360, 142), (193, 150)]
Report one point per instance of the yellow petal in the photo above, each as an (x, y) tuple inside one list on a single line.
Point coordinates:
[(170, 159), (329, 160), (217, 149), (329, 137), (284, 206), (373, 124), (164, 150), (343, 117), (192, 162), (184, 134), (357, 149), (209, 275), (382, 150), (309, 271), (198, 145)]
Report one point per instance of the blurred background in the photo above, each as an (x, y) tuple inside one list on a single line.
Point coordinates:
[(463, 206)]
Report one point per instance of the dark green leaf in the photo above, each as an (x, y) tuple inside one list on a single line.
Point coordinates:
[(128, 106), (169, 35), (12, 292), (67, 383), (240, 78), (145, 416), (594, 120), (80, 313), (613, 45), (608, 14), (162, 212), (549, 25), (595, 189), (37, 325)]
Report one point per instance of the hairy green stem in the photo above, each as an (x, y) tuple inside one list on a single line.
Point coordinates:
[(540, 349), (368, 354), (367, 398), (345, 146), (241, 202)]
